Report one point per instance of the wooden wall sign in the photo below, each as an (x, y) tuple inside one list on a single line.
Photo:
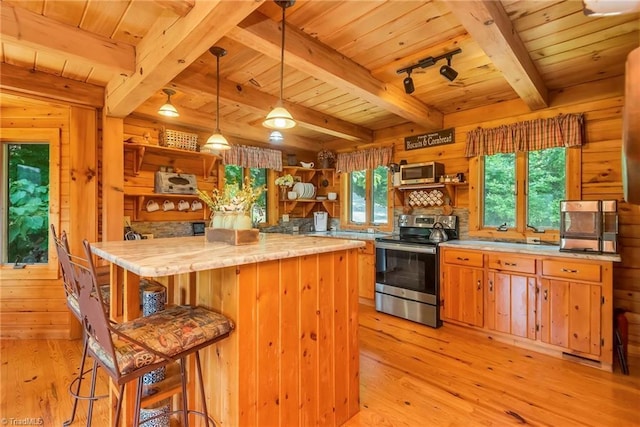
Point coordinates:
[(441, 137)]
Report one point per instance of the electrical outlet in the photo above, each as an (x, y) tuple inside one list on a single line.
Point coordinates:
[(370, 230), (127, 221), (533, 240), (285, 218), (147, 236), (295, 228)]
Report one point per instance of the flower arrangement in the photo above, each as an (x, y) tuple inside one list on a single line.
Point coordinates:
[(285, 180), (232, 198), (326, 158)]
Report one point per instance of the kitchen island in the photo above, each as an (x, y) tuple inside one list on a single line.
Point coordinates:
[(293, 356)]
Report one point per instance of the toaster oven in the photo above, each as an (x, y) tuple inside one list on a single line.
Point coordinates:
[(175, 183)]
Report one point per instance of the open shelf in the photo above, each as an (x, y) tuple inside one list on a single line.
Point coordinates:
[(141, 150), (450, 187)]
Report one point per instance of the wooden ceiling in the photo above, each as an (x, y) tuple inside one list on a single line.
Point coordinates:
[(340, 80)]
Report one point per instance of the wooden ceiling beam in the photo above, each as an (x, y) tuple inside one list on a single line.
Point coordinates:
[(490, 26), (47, 85), (316, 59), (180, 8), (30, 29), (261, 103), (169, 47), (231, 130)]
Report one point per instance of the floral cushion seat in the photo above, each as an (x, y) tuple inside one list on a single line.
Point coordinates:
[(170, 332)]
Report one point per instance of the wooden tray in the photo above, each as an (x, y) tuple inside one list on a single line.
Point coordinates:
[(232, 237)]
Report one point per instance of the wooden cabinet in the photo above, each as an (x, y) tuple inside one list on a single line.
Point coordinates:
[(571, 309), (367, 271), (462, 287), (511, 295), (324, 180), (561, 304), (141, 163)]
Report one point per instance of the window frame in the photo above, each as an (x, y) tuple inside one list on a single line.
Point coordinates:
[(269, 188), (573, 191), (345, 185), (50, 136)]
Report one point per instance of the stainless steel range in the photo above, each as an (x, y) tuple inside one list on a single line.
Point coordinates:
[(407, 268)]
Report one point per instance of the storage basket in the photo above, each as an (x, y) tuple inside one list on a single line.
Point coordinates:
[(176, 139)]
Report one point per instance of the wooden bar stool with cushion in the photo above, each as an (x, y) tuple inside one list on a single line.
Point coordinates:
[(128, 350), (65, 260)]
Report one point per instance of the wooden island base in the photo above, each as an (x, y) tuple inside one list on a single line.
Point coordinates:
[(293, 356)]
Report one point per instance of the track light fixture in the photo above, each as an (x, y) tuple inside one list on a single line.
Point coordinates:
[(445, 70), (168, 110), (408, 83)]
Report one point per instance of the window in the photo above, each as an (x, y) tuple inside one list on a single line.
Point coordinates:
[(29, 194), (524, 189), (236, 175), (369, 197)]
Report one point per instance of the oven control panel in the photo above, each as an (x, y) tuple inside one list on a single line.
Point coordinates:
[(428, 221)]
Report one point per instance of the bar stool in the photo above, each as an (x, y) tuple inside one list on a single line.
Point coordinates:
[(65, 261), (128, 350)]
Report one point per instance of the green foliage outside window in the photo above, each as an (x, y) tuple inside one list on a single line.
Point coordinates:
[(359, 206), (546, 187), (499, 190), (28, 203)]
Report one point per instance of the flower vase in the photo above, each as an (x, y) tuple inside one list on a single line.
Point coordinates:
[(229, 220), (325, 164), (283, 192), (217, 220), (243, 221)]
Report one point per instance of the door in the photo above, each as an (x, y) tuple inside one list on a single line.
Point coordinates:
[(511, 304), (462, 294), (571, 315)]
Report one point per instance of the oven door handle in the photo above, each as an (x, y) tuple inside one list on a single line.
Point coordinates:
[(406, 248)]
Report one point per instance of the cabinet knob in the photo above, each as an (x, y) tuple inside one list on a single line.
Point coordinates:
[(463, 259), (568, 270), (545, 294), (479, 285), (511, 264), (490, 285)]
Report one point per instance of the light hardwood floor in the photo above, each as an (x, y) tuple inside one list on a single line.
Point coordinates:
[(410, 375)]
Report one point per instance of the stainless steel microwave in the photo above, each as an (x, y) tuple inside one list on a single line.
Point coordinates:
[(421, 173)]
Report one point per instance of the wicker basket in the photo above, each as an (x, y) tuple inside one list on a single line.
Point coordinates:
[(176, 139)]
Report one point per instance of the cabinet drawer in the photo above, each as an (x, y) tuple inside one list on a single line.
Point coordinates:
[(570, 269), (506, 262), (473, 259)]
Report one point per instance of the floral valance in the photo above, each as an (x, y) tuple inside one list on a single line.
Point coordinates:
[(565, 130), (364, 159), (253, 157)]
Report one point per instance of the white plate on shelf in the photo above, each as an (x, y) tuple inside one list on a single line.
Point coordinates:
[(298, 187)]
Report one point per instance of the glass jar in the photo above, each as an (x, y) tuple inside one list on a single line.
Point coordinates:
[(217, 220), (243, 221), (229, 220)]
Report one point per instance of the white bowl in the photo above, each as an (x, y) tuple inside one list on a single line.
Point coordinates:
[(292, 195), (332, 196)]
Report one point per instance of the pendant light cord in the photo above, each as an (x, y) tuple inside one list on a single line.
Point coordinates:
[(282, 56), (217, 93)]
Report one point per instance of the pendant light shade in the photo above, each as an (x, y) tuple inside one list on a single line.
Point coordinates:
[(217, 141), (168, 110), (279, 117)]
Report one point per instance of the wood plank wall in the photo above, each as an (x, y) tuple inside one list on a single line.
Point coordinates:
[(602, 105), (36, 308)]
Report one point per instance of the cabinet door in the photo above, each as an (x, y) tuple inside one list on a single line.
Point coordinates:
[(367, 271), (571, 315), (462, 294), (511, 304)]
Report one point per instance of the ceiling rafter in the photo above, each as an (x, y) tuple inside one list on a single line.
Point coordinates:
[(261, 103), (169, 47), (316, 59), (180, 8), (490, 26), (26, 28)]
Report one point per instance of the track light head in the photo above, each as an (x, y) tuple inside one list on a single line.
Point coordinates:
[(447, 71), (409, 88)]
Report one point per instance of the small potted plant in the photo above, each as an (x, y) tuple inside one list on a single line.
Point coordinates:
[(326, 158)]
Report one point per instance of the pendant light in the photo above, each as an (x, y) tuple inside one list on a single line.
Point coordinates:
[(217, 141), (279, 117), (168, 110)]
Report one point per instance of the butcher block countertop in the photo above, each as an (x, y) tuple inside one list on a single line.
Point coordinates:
[(169, 256), (522, 248)]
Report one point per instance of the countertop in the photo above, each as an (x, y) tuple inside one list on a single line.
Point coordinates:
[(522, 248), (168, 256)]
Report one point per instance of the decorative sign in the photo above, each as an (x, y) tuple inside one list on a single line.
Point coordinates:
[(441, 137)]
